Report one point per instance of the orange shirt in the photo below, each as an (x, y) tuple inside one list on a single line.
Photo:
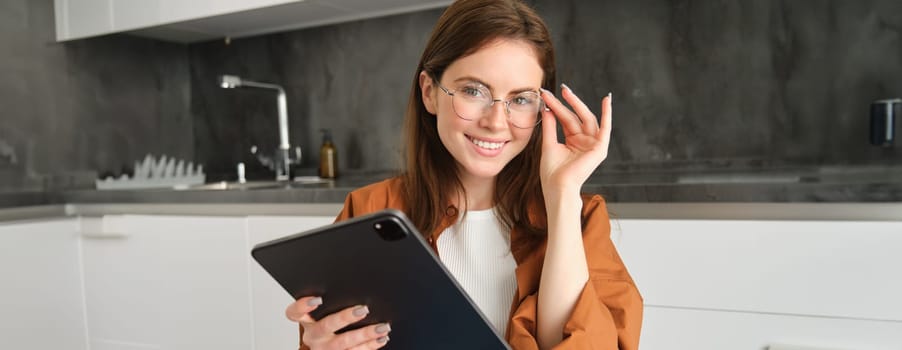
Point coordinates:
[(608, 313)]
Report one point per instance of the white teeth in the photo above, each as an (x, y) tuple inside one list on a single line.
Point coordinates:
[(486, 144)]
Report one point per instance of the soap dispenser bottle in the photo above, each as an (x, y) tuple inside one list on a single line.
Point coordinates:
[(328, 158)]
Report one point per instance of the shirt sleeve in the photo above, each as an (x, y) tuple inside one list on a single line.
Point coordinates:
[(347, 211), (608, 313)]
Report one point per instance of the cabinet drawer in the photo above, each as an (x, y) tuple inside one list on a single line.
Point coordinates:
[(819, 268), (669, 328), (41, 300), (167, 282)]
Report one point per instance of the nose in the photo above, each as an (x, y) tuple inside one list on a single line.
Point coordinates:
[(495, 116)]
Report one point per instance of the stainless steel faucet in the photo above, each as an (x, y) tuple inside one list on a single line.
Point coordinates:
[(283, 159)]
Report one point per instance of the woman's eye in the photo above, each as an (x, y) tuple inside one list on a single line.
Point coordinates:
[(472, 92), (523, 100)]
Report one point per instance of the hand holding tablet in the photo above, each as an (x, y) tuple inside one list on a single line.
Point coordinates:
[(358, 280)]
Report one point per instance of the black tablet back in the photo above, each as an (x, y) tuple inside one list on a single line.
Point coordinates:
[(381, 261)]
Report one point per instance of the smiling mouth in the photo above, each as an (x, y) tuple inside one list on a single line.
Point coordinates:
[(486, 144)]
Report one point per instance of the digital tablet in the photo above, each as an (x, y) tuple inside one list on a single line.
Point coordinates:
[(380, 260)]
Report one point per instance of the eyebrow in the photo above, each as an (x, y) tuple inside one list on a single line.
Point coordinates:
[(480, 82)]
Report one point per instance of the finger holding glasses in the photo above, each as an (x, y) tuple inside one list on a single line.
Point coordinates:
[(586, 141)]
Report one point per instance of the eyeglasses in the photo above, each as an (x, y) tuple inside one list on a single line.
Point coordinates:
[(473, 101)]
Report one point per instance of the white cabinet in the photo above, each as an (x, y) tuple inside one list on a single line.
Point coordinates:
[(666, 328), (132, 14), (185, 282), (129, 282), (191, 21), (715, 284), (82, 18), (271, 329), (166, 282), (41, 303), (77, 19), (180, 10)]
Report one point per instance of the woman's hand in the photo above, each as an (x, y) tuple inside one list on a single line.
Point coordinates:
[(320, 334), (565, 167)]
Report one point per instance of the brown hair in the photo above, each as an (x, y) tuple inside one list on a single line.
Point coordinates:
[(431, 172)]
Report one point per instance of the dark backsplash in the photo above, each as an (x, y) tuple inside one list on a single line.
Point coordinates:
[(731, 84), (747, 83), (73, 109)]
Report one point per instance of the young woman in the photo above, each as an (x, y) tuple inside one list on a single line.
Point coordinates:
[(497, 195)]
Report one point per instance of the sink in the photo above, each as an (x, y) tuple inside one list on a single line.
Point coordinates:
[(225, 185), (299, 182)]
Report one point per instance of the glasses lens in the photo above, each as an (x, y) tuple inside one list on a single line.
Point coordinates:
[(524, 109), (470, 102)]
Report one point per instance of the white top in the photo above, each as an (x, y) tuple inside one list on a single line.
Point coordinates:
[(476, 250)]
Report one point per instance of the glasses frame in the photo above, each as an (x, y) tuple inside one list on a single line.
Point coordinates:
[(507, 106)]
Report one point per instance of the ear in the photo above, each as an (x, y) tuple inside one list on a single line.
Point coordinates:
[(427, 89)]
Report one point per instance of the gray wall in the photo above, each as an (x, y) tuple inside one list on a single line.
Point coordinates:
[(696, 84), (779, 80), (72, 109), (723, 83)]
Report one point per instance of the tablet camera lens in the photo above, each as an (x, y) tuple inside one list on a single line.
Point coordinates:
[(389, 230)]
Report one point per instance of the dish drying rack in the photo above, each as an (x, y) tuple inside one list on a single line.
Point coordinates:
[(162, 172)]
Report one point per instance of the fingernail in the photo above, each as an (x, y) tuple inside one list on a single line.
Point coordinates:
[(611, 96), (382, 340), (361, 310), (315, 301), (566, 87), (546, 91), (383, 328)]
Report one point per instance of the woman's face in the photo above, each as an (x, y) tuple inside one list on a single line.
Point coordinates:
[(483, 146)]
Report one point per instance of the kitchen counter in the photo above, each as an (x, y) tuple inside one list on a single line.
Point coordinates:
[(816, 194), (657, 211), (621, 188), (813, 184), (631, 192)]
